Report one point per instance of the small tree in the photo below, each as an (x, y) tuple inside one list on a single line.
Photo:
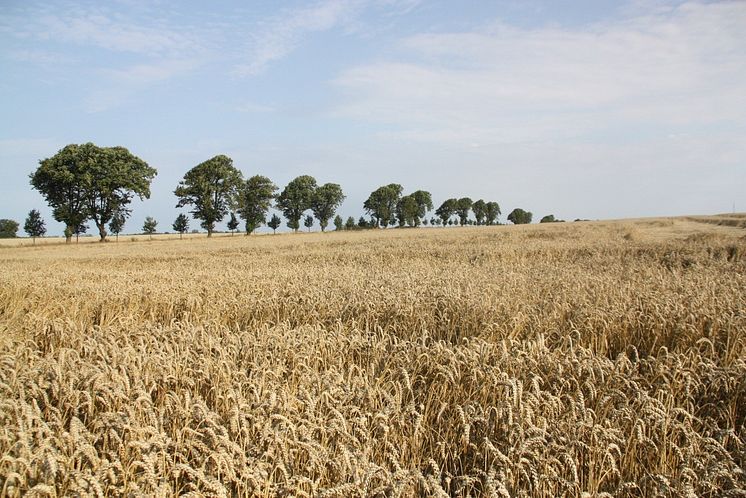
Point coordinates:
[(463, 206), (274, 223), (78, 230), (148, 227), (34, 225), (8, 229), (363, 223), (424, 221), (325, 201), (479, 208), (547, 219), (446, 210), (520, 217), (233, 223), (350, 223), (116, 225), (181, 224), (254, 200), (308, 222), (338, 223)]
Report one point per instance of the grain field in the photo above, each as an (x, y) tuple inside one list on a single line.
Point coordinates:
[(580, 359)]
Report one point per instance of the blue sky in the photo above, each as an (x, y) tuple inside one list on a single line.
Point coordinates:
[(590, 109)]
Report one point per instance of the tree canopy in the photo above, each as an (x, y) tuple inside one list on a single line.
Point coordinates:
[(254, 200), (212, 189), (181, 224), (85, 181), (463, 206), (296, 198), (491, 212), (8, 229), (520, 217), (446, 210), (274, 223), (34, 225), (382, 202), (326, 200), (407, 211)]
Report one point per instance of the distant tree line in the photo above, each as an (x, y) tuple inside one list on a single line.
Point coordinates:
[(85, 182)]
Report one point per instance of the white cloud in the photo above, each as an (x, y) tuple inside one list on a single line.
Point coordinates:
[(682, 66)]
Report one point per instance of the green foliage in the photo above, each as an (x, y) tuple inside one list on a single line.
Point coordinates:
[(34, 225), (116, 225), (233, 223), (424, 203), (520, 217), (547, 219), (212, 189), (463, 206), (86, 181), (181, 224), (295, 198), (407, 211), (8, 229), (446, 210), (479, 208), (308, 222), (491, 212), (148, 227), (254, 201), (339, 223), (382, 202), (274, 223), (350, 223), (325, 201), (363, 223)]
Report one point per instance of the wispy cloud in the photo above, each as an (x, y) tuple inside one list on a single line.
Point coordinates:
[(679, 66)]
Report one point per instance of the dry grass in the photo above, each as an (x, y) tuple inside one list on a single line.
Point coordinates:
[(598, 358)]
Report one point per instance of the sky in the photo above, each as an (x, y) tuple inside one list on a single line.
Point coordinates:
[(583, 109)]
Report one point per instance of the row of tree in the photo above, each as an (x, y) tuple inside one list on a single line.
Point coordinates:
[(86, 182)]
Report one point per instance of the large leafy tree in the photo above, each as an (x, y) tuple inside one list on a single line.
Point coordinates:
[(254, 200), (520, 217), (85, 181), (479, 208), (34, 225), (446, 210), (424, 204), (8, 229), (326, 200), (296, 198), (407, 211), (491, 212), (463, 206), (212, 189), (149, 226), (382, 202)]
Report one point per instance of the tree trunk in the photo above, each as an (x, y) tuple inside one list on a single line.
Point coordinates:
[(101, 232), (68, 234), (209, 232)]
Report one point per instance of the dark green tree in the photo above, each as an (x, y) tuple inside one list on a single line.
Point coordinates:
[(274, 223), (181, 224), (212, 189), (308, 222), (479, 208), (116, 225), (148, 227), (8, 229), (491, 212), (548, 219), (233, 223), (254, 201), (296, 198), (338, 223), (325, 201), (463, 206), (34, 225), (86, 181), (424, 204), (520, 217), (446, 210), (350, 223), (363, 223), (78, 231), (381, 204), (407, 211), (424, 221)]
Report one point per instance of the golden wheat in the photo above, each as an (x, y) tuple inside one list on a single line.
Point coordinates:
[(595, 359)]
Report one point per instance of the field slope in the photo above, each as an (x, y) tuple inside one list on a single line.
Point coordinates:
[(557, 360)]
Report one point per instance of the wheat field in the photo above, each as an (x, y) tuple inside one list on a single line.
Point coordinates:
[(581, 359)]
